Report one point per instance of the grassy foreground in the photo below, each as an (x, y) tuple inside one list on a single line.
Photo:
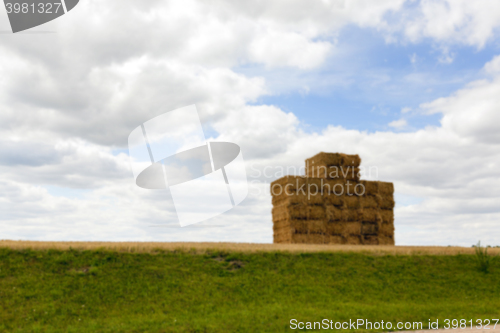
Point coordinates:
[(101, 290)]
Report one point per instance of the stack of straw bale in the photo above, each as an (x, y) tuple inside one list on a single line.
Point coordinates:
[(332, 210)]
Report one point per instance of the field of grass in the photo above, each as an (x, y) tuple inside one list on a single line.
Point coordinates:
[(165, 288)]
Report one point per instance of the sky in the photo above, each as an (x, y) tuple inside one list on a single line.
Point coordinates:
[(413, 87)]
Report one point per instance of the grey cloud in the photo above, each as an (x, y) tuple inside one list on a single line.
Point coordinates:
[(27, 154)]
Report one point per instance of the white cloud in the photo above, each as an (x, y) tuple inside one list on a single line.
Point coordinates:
[(413, 58), (285, 49), (453, 21), (70, 99), (400, 123), (472, 112), (493, 66)]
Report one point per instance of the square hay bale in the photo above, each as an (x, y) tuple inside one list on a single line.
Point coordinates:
[(333, 213), (299, 226), (334, 159), (333, 239), (350, 215), (387, 215), (335, 228), (352, 240), (287, 199), (344, 172), (371, 187), (369, 240), (386, 229), (369, 215), (283, 236), (351, 202), (368, 228), (385, 201), (333, 172), (335, 186), (312, 199), (306, 194), (386, 188), (386, 240), (281, 224), (314, 185), (290, 183), (369, 201), (317, 171), (316, 212), (317, 226), (290, 212), (299, 238), (297, 198), (343, 228), (333, 199), (316, 239)]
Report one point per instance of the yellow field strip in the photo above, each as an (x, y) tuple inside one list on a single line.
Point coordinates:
[(151, 247)]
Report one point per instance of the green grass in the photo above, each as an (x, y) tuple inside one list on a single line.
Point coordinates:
[(103, 291)]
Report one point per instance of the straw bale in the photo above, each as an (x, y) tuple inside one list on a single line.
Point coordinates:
[(292, 212), (333, 185), (368, 201), (333, 213), (316, 212), (385, 201), (343, 228), (371, 187), (316, 239), (350, 215), (306, 195), (317, 226), (333, 239), (369, 240), (291, 183), (335, 227), (369, 228), (283, 236), (298, 226), (369, 215), (386, 188), (334, 159), (312, 199), (287, 199), (285, 223), (352, 201), (386, 240), (314, 184), (298, 198), (352, 240), (299, 238), (387, 215), (333, 172), (386, 229), (333, 199)]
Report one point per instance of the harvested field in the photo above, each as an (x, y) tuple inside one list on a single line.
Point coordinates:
[(151, 247)]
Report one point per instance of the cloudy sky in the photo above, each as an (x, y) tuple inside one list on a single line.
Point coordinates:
[(413, 87)]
